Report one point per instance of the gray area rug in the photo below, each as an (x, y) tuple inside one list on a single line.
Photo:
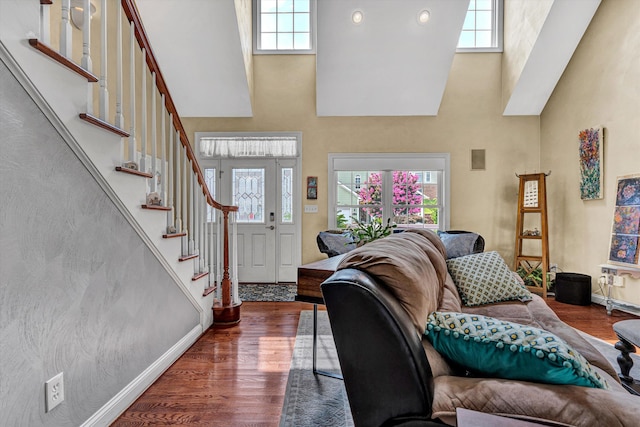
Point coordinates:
[(266, 292), (322, 401), (314, 400)]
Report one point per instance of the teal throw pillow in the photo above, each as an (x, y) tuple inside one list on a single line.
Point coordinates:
[(497, 348), (485, 278)]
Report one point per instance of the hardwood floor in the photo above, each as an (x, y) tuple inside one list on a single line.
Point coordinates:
[(237, 376)]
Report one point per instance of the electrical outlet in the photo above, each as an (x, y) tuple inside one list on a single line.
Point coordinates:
[(618, 281), (54, 391)]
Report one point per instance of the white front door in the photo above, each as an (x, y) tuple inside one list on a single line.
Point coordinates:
[(268, 234)]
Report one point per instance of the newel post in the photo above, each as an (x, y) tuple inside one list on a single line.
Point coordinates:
[(226, 312)]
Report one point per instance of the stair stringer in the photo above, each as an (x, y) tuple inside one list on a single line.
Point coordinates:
[(61, 95)]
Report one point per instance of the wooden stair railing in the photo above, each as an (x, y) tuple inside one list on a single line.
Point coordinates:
[(226, 309)]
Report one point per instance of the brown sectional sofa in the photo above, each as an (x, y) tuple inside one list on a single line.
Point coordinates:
[(379, 302)]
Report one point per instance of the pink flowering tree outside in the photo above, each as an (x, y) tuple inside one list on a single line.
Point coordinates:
[(405, 192)]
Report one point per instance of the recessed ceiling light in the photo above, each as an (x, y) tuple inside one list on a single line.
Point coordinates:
[(423, 16), (357, 17)]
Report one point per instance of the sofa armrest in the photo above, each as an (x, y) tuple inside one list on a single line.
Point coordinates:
[(386, 372)]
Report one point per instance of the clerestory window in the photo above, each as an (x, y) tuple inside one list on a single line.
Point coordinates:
[(482, 28), (284, 26)]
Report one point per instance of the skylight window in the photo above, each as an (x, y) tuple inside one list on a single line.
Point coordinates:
[(283, 26), (482, 28)]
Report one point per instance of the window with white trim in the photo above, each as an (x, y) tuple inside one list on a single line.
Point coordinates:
[(283, 26), (410, 190), (482, 28)]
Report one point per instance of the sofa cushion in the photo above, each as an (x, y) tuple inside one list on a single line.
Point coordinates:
[(410, 265), (484, 278), (461, 243), (497, 348)]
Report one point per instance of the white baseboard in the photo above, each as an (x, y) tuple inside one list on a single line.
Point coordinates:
[(627, 307), (121, 401)]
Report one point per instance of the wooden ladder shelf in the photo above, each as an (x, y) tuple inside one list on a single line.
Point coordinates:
[(532, 199)]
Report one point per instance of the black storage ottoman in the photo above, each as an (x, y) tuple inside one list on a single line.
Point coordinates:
[(573, 288)]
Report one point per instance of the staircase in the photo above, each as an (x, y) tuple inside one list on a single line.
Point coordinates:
[(134, 139)]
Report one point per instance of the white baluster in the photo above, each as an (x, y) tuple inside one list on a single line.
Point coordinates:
[(185, 182), (191, 210), (169, 182), (65, 29), (163, 154), (45, 23), (196, 227), (218, 256), (86, 62), (203, 237), (104, 93), (234, 259), (178, 185), (132, 93), (211, 259), (154, 136), (143, 130), (119, 119)]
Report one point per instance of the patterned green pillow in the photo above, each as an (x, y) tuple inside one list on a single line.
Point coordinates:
[(502, 349), (485, 278)]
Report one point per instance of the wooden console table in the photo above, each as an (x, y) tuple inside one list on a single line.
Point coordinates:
[(311, 276)]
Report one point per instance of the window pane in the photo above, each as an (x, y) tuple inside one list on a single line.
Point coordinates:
[(287, 195), (268, 6), (483, 20), (301, 22), (285, 22), (469, 21), (285, 5), (483, 39), (483, 4), (268, 41), (268, 23), (467, 39), (248, 194), (301, 5), (210, 179), (301, 41), (285, 41)]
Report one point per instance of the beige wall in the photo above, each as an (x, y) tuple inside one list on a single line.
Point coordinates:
[(469, 117), (601, 86)]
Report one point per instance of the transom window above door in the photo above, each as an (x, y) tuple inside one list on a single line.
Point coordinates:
[(411, 192)]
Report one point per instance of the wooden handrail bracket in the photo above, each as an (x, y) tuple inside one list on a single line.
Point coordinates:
[(62, 60)]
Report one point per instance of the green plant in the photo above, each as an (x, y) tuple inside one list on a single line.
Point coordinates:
[(341, 220), (534, 277), (364, 233)]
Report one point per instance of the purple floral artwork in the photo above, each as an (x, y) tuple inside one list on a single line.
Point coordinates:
[(624, 249), (628, 191), (590, 150), (626, 220)]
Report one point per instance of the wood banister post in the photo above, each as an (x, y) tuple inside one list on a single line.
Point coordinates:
[(226, 283)]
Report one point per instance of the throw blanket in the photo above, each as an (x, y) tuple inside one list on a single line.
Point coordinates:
[(412, 266)]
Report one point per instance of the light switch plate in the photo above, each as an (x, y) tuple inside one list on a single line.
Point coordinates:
[(310, 208)]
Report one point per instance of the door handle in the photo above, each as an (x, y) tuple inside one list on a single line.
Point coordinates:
[(271, 227)]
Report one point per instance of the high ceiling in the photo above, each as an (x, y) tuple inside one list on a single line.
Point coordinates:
[(388, 65)]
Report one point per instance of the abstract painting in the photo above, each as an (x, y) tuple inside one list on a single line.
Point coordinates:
[(626, 221), (591, 150)]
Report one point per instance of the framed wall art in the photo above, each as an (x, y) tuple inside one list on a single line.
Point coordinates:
[(625, 233), (591, 151), (312, 187)]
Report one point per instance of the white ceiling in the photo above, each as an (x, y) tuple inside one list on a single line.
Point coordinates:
[(388, 65)]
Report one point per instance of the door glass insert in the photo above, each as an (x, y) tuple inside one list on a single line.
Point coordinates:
[(248, 194), (287, 195)]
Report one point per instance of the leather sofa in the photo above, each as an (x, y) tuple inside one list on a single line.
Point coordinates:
[(377, 302)]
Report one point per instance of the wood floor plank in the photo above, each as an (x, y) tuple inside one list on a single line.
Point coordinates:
[(237, 376)]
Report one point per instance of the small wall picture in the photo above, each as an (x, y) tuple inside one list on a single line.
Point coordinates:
[(312, 187), (591, 165), (625, 233)]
